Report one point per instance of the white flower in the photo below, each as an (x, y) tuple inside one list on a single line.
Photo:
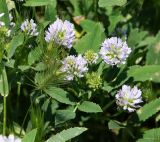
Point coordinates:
[(91, 57), (61, 33), (10, 138), (12, 24), (114, 51), (2, 23), (29, 27), (129, 98), (74, 66)]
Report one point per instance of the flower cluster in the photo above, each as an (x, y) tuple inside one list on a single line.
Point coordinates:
[(29, 27), (10, 138), (74, 66), (114, 51), (91, 57), (61, 33), (129, 98), (94, 80)]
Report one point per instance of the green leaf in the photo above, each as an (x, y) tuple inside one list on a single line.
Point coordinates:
[(23, 67), (93, 39), (135, 37), (34, 55), (4, 9), (34, 3), (59, 95), (16, 41), (144, 73), (114, 19), (4, 89), (106, 3), (113, 124), (152, 135), (50, 11), (154, 51), (30, 137), (63, 116), (76, 6), (148, 110), (66, 135), (89, 107)]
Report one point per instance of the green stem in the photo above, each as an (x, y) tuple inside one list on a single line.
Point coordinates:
[(4, 115)]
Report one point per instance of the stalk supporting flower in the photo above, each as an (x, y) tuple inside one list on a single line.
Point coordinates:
[(61, 33), (114, 51), (129, 98), (74, 67), (29, 27)]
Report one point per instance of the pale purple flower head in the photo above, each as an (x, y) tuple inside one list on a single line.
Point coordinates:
[(61, 33), (29, 27), (114, 51), (129, 98), (74, 67), (10, 138)]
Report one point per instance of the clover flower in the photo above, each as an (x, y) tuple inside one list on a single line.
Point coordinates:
[(129, 98), (61, 33), (10, 138), (94, 80), (29, 27), (91, 57), (74, 67), (114, 51), (2, 23)]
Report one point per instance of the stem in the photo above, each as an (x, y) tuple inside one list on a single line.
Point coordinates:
[(4, 115)]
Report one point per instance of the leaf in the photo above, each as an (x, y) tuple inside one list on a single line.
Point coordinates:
[(135, 37), (34, 55), (4, 90), (59, 95), (89, 107), (76, 6), (93, 39), (16, 41), (152, 135), (144, 73), (34, 3), (113, 124), (148, 110), (50, 11), (114, 19), (66, 135), (63, 116), (154, 51), (30, 137), (23, 67), (106, 3), (4, 9)]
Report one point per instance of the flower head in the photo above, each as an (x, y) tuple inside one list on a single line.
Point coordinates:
[(74, 66), (94, 80), (10, 138), (61, 33), (2, 23), (91, 57), (129, 98), (114, 51), (29, 27)]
